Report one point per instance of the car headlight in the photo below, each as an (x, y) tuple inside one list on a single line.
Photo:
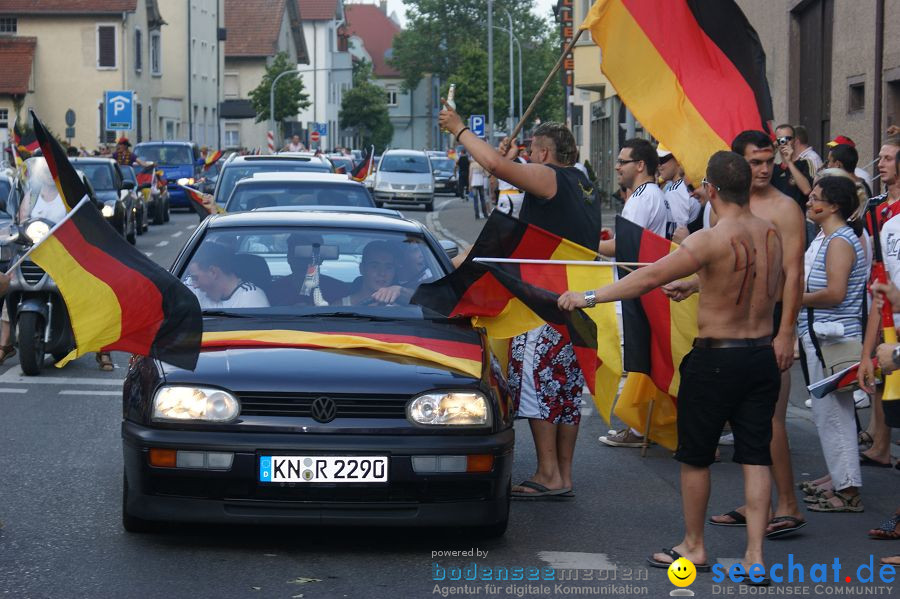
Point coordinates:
[(108, 210), (455, 408), (198, 404), (382, 186), (185, 181), (425, 186), (37, 230), (453, 177)]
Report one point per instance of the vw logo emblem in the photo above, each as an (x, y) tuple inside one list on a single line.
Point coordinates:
[(324, 409)]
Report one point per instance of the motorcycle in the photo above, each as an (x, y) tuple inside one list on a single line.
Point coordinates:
[(37, 310)]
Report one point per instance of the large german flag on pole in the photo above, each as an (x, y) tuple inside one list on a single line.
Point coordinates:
[(117, 298), (693, 72)]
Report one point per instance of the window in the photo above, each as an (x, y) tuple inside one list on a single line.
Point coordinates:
[(155, 54), (106, 47), (391, 97), (8, 25), (232, 85), (193, 57), (4, 118), (138, 51), (856, 97)]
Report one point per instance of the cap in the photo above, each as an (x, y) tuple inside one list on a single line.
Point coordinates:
[(123, 140), (841, 140), (662, 151)]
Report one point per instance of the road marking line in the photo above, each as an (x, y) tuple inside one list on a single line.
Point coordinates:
[(189, 228), (148, 254), (574, 560), (7, 390), (177, 233), (88, 392), (162, 243), (11, 377)]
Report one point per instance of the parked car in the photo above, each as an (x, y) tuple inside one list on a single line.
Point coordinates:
[(116, 194), (177, 160), (404, 177), (264, 190), (141, 193), (240, 167), (444, 174), (403, 420)]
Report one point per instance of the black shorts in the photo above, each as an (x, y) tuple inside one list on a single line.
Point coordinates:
[(736, 385)]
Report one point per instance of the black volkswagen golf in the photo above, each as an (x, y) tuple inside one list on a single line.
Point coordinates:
[(321, 395)]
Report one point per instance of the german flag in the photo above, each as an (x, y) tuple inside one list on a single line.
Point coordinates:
[(508, 299), (25, 141), (365, 167), (117, 298), (212, 158), (845, 379), (455, 346), (658, 334), (202, 200), (693, 72)]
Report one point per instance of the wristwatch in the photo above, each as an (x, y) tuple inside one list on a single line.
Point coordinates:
[(590, 298), (895, 356)]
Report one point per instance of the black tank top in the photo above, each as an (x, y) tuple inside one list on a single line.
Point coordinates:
[(573, 213)]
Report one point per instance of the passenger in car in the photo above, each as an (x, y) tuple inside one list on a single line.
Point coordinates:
[(379, 271), (215, 282), (413, 271), (288, 290), (261, 201)]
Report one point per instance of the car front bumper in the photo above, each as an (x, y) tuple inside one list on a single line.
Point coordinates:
[(404, 197), (236, 496)]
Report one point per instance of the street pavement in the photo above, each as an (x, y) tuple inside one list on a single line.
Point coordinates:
[(60, 497)]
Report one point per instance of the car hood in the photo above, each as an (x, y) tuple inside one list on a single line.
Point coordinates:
[(316, 370), (107, 196)]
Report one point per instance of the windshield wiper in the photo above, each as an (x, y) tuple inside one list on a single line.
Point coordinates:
[(224, 314), (349, 315)]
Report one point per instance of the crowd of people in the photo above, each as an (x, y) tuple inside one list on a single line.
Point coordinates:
[(786, 248)]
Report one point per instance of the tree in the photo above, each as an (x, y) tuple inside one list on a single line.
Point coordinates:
[(289, 96), (364, 108)]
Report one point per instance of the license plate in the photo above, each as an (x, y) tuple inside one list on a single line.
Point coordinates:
[(323, 469), (404, 196)]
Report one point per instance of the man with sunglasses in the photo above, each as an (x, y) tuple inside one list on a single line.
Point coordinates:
[(793, 177)]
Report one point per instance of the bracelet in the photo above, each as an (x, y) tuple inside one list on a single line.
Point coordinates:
[(461, 131)]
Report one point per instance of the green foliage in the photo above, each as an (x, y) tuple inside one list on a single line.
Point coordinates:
[(364, 108), (590, 171), (289, 96), (449, 39)]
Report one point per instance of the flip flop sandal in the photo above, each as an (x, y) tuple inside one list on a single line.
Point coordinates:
[(655, 563), (105, 362), (8, 352), (796, 524), (540, 491), (865, 460), (814, 498), (893, 557), (848, 504), (887, 530), (765, 581), (739, 520), (865, 438)]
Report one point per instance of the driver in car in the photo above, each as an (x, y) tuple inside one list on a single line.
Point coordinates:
[(216, 284), (379, 271), (287, 291)]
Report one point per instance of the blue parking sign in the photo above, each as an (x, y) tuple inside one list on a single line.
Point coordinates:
[(476, 124), (119, 109), (322, 128)]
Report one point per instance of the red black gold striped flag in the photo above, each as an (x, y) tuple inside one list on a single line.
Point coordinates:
[(658, 334), (198, 198), (844, 379), (25, 141), (508, 299), (458, 347), (212, 158), (116, 297), (693, 72), (365, 167), (69, 185)]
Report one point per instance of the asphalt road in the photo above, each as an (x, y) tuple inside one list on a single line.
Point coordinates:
[(60, 495)]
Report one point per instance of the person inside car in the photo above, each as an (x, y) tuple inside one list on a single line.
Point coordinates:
[(261, 201), (413, 271), (288, 290), (216, 284), (378, 270)]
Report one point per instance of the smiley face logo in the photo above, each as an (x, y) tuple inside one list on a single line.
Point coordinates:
[(682, 572)]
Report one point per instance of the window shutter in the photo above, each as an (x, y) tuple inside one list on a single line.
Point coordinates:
[(106, 46), (138, 50)]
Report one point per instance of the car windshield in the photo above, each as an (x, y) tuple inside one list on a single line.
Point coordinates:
[(233, 173), (269, 271), (100, 175), (250, 196), (165, 155), (128, 174), (445, 165), (404, 163)]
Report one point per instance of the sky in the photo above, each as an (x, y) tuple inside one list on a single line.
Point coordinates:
[(542, 6)]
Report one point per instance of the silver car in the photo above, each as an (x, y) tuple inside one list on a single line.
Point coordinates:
[(404, 177)]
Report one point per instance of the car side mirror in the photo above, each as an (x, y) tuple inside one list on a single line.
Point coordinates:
[(451, 248), (127, 184)]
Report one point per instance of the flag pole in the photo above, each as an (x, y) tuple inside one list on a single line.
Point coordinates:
[(559, 262), (52, 230), (646, 443), (544, 87)]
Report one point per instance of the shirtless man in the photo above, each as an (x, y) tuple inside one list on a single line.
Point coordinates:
[(732, 374), (770, 204)]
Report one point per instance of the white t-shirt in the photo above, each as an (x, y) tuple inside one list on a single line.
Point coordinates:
[(648, 208), (582, 168), (54, 210), (511, 197), (476, 175), (812, 156), (683, 207), (890, 249), (245, 295)]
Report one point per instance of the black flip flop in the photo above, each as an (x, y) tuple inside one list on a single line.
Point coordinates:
[(541, 492), (781, 532), (654, 563), (739, 520), (865, 460), (765, 581)]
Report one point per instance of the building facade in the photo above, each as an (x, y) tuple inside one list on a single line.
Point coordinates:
[(413, 113), (257, 31)]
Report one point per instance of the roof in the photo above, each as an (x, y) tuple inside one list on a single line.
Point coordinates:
[(307, 177), (316, 10), (377, 31), (91, 160), (77, 7), (253, 27), (368, 218), (16, 56)]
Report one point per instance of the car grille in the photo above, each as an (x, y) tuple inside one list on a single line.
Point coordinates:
[(404, 186), (31, 272), (300, 405)]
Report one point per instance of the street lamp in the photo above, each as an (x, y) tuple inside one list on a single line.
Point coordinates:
[(519, 49), (511, 98)]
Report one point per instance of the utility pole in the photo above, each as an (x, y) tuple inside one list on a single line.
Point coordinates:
[(490, 30), (512, 101)]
